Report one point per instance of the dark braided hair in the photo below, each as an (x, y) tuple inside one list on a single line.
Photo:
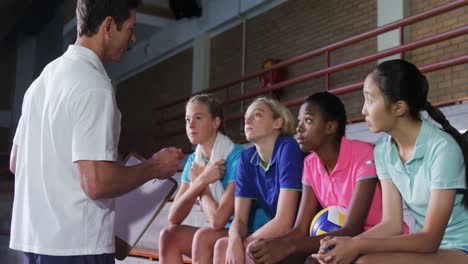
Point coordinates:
[(400, 80)]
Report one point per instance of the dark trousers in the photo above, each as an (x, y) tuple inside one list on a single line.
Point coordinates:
[(31, 258)]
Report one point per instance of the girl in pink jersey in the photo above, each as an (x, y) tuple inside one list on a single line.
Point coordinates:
[(419, 165), (339, 172)]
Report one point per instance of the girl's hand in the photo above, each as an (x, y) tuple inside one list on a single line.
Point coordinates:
[(269, 251), (311, 260), (213, 172), (320, 256), (235, 252), (336, 250), (195, 171)]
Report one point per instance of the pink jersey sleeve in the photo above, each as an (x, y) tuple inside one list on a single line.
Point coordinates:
[(366, 166)]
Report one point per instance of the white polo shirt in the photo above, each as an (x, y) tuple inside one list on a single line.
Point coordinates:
[(69, 113)]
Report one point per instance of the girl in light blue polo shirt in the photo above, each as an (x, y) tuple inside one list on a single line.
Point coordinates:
[(419, 165), (269, 175)]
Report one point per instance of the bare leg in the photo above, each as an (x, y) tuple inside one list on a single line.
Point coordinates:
[(291, 259), (451, 256), (174, 241), (220, 250), (203, 244)]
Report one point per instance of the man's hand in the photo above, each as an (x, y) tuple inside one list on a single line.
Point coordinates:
[(166, 162)]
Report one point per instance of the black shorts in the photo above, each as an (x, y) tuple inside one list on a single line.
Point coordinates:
[(31, 258)]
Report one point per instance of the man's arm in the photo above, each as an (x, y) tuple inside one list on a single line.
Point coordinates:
[(104, 179), (14, 152)]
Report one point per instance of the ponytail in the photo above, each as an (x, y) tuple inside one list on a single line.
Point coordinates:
[(461, 139), (400, 80)]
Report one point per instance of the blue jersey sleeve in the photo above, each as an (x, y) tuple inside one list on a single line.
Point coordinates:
[(232, 163), (291, 164), (245, 183), (187, 167)]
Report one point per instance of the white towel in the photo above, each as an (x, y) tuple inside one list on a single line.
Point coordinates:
[(221, 149)]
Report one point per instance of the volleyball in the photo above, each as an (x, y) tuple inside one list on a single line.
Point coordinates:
[(327, 220)]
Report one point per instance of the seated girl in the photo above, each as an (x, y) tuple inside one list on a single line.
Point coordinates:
[(209, 175), (269, 174), (339, 172), (417, 163)]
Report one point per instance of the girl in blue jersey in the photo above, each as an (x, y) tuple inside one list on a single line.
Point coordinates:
[(418, 164), (209, 175), (269, 174)]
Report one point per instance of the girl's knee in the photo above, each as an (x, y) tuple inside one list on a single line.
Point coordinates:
[(201, 240), (167, 234), (221, 244), (202, 233), (219, 251)]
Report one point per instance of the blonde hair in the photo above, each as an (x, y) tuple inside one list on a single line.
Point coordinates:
[(280, 111), (214, 106)]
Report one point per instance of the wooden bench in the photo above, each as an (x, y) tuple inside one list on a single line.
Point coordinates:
[(152, 254)]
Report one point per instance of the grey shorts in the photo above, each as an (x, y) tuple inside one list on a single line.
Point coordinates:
[(31, 258)]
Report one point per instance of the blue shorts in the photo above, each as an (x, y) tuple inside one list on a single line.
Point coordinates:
[(31, 258), (464, 249)]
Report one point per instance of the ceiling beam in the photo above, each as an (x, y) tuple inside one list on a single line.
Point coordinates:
[(156, 11), (154, 21)]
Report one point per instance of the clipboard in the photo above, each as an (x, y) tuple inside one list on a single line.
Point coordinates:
[(136, 210)]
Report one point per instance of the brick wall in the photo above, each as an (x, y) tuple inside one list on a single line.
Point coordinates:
[(138, 97), (299, 26), (448, 83), (226, 65), (226, 56)]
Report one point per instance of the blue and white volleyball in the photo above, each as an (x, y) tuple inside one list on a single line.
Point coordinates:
[(327, 220)]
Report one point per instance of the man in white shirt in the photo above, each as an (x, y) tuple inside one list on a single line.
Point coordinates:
[(65, 146)]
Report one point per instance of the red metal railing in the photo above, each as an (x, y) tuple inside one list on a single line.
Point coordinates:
[(400, 24)]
